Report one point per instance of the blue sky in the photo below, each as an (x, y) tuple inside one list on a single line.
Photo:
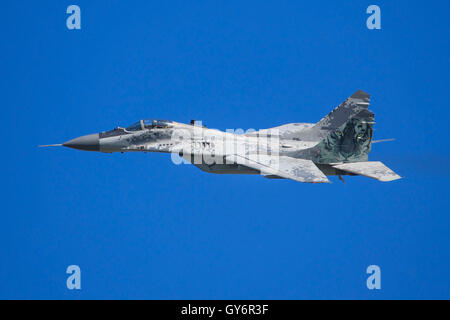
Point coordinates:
[(141, 227)]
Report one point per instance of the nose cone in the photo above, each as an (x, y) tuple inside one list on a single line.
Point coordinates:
[(91, 142)]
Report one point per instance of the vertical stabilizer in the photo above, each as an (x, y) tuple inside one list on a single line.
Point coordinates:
[(350, 142), (356, 103)]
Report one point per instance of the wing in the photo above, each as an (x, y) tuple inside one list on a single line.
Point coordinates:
[(290, 168), (371, 169)]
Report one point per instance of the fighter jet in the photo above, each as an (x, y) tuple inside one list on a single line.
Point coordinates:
[(339, 144)]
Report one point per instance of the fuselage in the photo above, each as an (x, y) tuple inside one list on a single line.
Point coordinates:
[(168, 137), (204, 147), (336, 145)]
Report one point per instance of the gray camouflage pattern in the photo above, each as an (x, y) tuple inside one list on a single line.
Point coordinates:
[(371, 169), (339, 144)]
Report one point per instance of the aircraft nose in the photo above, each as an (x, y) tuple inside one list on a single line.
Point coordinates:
[(91, 142)]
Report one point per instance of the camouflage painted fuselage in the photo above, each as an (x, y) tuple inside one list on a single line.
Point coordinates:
[(304, 152)]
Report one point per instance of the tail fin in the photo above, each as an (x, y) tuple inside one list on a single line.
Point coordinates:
[(348, 142), (339, 116)]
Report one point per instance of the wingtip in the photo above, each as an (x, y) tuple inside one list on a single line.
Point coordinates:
[(389, 179), (319, 181)]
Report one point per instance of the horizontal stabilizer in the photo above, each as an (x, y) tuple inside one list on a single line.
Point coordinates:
[(372, 169)]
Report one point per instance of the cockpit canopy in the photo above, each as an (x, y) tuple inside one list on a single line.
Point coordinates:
[(149, 124)]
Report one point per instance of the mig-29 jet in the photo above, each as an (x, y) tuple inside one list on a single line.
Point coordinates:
[(339, 144)]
